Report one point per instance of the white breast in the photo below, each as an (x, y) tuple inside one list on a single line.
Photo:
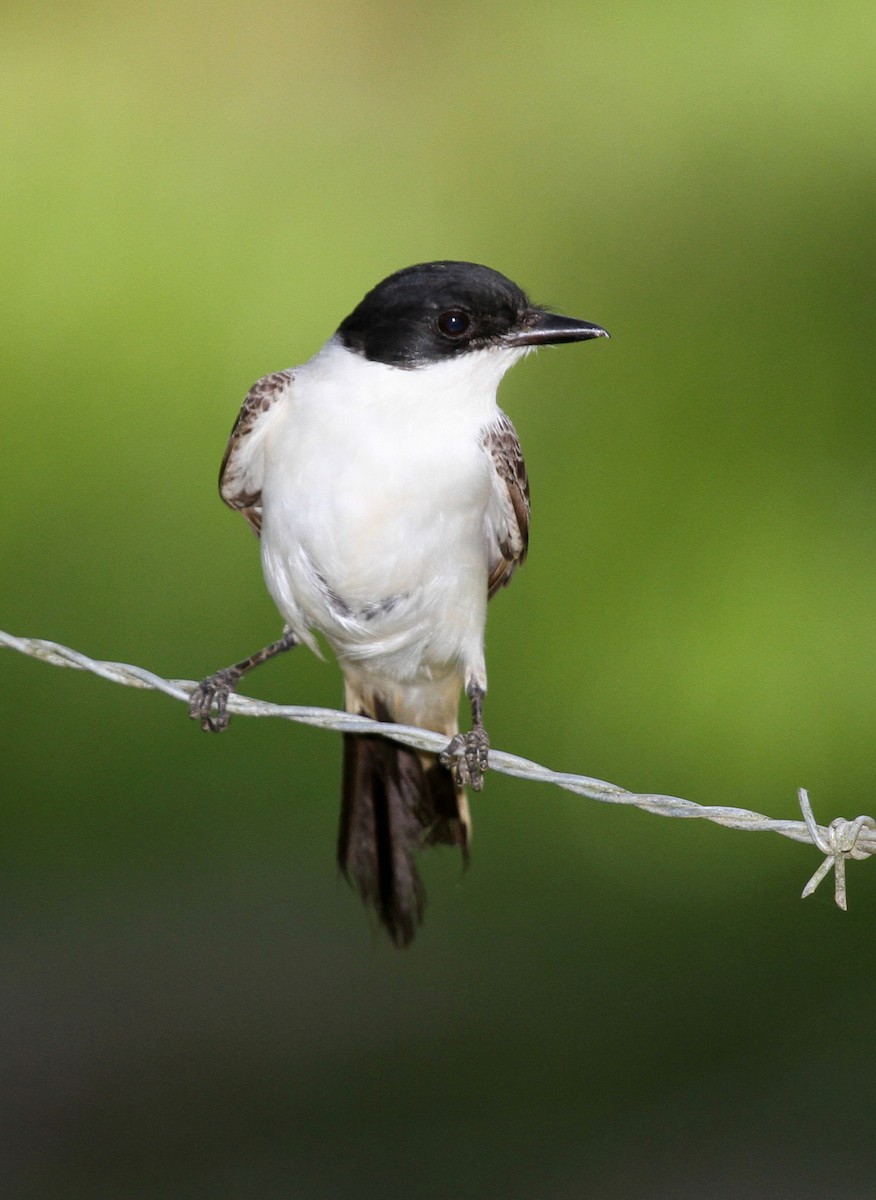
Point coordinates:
[(375, 494)]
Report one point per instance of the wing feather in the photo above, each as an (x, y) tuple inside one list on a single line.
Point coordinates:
[(243, 467), (508, 515)]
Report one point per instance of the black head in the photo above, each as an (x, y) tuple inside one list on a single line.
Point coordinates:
[(436, 311)]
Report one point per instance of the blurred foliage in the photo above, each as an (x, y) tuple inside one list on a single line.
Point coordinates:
[(604, 1004)]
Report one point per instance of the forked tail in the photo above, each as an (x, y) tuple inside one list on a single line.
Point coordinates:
[(395, 802)]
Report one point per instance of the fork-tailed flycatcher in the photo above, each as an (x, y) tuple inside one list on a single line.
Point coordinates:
[(390, 496)]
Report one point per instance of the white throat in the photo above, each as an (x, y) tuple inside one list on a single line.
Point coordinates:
[(461, 389)]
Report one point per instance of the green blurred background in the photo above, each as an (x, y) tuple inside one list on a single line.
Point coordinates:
[(606, 1004)]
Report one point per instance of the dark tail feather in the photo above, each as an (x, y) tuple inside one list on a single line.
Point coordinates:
[(393, 804)]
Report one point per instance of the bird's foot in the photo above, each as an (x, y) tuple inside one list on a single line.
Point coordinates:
[(467, 756), (209, 701)]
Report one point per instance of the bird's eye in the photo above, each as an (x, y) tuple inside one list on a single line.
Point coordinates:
[(454, 322)]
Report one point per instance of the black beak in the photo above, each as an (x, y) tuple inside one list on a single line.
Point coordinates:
[(546, 328)]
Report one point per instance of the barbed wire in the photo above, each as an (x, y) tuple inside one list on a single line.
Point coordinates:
[(839, 841)]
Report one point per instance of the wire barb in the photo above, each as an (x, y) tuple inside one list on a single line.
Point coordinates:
[(839, 841)]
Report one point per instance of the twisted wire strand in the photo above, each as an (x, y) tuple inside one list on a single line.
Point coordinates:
[(839, 841)]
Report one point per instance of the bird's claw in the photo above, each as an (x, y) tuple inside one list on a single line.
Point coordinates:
[(467, 756), (209, 701)]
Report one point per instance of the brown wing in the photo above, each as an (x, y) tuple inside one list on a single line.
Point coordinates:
[(509, 516), (242, 470)]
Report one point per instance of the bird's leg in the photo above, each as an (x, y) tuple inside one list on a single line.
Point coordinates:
[(467, 753), (209, 700)]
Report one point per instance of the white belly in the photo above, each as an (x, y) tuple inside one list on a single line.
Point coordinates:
[(374, 534)]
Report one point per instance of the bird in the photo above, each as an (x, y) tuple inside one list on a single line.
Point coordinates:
[(391, 500)]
